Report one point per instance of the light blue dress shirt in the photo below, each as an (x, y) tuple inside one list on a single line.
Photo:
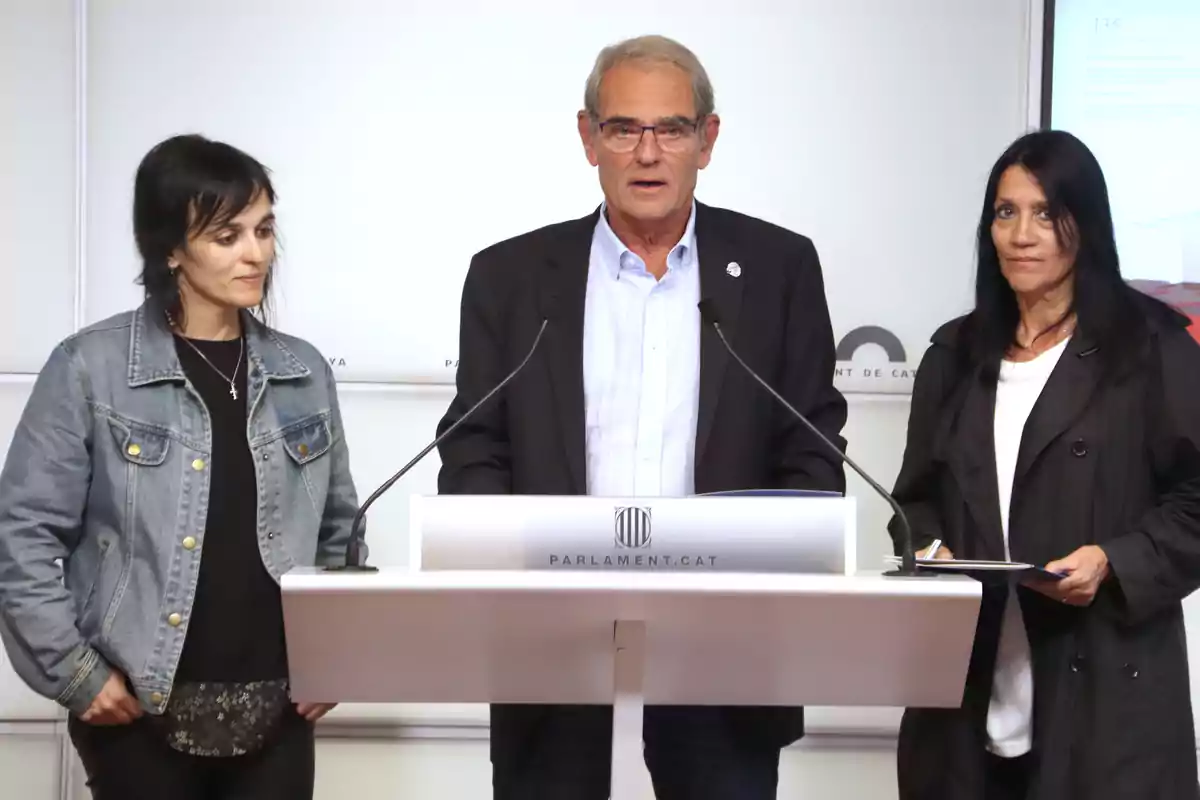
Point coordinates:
[(641, 368)]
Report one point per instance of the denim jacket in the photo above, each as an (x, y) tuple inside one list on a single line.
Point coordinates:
[(108, 472)]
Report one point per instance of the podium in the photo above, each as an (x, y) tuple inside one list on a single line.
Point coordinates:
[(567, 613)]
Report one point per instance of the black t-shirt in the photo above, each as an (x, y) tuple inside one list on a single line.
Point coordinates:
[(235, 633)]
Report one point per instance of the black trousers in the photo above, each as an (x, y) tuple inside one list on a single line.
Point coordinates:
[(132, 762), (564, 753), (1009, 778)]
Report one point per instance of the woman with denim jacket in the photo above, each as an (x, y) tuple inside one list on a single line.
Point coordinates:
[(171, 464)]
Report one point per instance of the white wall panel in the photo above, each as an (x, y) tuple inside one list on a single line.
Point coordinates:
[(406, 136), (30, 763), (17, 702), (385, 428), (38, 231), (829, 768)]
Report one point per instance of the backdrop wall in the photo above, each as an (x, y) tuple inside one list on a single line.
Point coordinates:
[(406, 136)]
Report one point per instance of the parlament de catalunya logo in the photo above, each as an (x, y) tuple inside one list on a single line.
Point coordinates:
[(858, 361)]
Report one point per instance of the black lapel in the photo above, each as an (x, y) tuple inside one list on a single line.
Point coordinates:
[(718, 249), (1066, 394), (972, 459), (565, 290)]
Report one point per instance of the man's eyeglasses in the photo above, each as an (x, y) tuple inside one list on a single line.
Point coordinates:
[(624, 135)]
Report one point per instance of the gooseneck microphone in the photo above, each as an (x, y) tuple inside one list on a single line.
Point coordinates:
[(355, 545), (908, 562)]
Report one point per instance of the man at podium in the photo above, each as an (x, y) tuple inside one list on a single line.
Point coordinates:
[(630, 393)]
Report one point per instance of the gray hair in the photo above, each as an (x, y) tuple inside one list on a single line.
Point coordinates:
[(652, 49)]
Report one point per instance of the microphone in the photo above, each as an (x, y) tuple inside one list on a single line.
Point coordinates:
[(908, 562), (355, 546)]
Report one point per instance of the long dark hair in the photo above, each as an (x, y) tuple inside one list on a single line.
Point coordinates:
[(1109, 311), (186, 185)]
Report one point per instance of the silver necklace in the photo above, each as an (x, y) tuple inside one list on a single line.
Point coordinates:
[(233, 384), (241, 351), (232, 381)]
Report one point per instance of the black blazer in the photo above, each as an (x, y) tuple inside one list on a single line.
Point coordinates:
[(1106, 458), (530, 439)]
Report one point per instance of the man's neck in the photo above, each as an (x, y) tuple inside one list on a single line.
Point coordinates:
[(651, 240), (649, 237)]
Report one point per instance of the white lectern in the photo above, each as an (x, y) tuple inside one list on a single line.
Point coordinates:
[(570, 614)]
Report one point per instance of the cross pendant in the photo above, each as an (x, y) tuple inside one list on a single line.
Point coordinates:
[(233, 391)]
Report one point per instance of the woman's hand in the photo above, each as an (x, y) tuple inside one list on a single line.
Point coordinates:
[(943, 553), (114, 705), (1085, 570), (314, 711)]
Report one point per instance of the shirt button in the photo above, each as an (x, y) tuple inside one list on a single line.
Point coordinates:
[(1079, 448), (156, 698), (174, 620), (134, 449), (302, 449), (189, 543), (198, 464)]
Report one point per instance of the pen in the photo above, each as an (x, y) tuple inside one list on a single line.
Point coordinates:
[(933, 548)]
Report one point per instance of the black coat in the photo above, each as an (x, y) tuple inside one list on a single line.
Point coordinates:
[(1112, 461)]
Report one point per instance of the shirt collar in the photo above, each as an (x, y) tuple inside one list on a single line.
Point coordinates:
[(152, 356), (616, 256)]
